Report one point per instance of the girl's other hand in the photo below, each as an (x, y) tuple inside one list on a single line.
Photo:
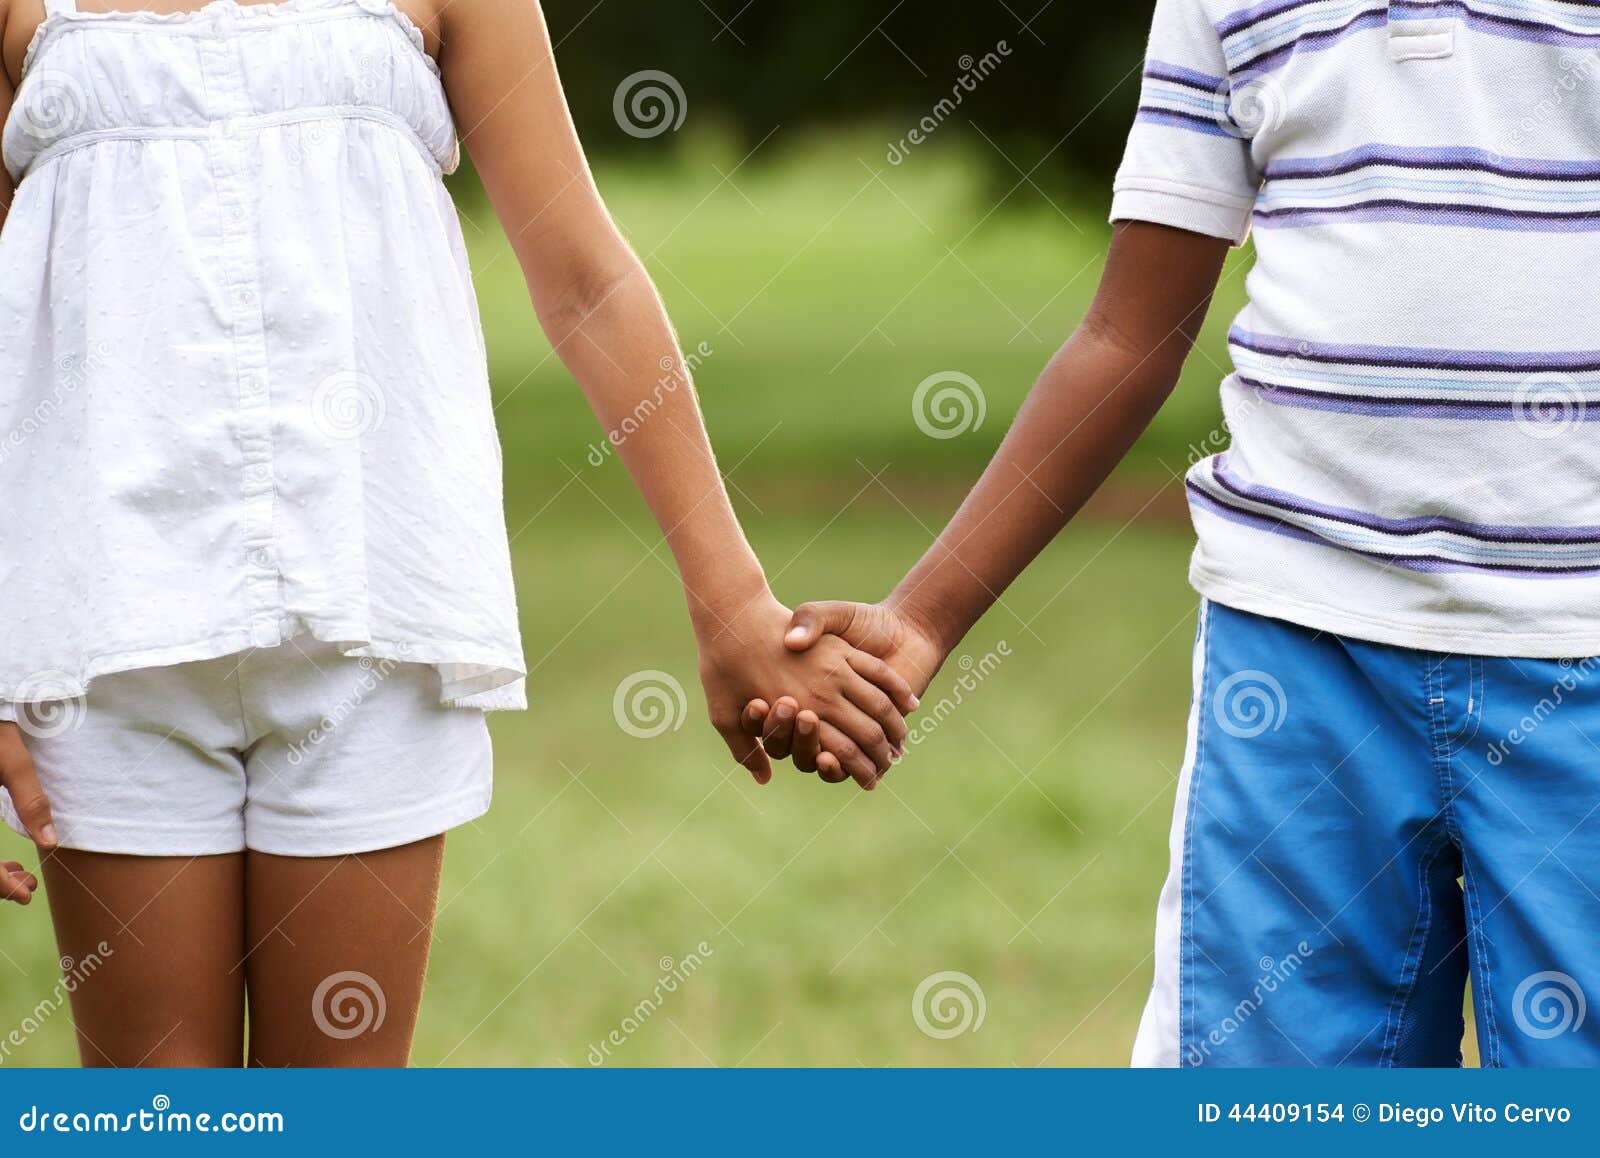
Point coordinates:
[(19, 779)]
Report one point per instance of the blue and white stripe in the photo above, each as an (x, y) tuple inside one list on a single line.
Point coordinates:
[(1532, 388), (1445, 186), (1185, 99), (1433, 544)]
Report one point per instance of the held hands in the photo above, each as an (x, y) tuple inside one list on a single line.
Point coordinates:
[(907, 647), (857, 702)]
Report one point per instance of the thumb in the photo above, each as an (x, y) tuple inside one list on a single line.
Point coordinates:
[(811, 621)]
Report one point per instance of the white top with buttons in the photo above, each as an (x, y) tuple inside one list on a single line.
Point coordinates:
[(243, 392)]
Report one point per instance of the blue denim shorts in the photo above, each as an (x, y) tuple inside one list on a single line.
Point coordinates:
[(1359, 830)]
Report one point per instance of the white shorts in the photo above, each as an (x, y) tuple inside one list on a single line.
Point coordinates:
[(295, 750)]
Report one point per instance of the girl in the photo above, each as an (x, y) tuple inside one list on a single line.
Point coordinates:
[(255, 570)]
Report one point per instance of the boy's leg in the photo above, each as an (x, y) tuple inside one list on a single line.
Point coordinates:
[(338, 948), (1528, 808), (1312, 915), (150, 949)]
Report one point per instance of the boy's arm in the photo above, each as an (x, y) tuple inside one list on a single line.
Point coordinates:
[(1096, 397), (1092, 403)]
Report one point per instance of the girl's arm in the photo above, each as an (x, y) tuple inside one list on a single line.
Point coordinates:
[(5, 101), (1095, 398), (603, 315), (16, 766)]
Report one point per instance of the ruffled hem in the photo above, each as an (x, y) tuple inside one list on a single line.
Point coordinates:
[(281, 9), (470, 676)]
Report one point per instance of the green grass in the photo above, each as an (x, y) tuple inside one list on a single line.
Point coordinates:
[(1022, 844)]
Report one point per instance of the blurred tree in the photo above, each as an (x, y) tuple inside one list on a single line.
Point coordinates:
[(1046, 83)]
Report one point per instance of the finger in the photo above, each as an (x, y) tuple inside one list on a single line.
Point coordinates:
[(779, 739), (754, 719), (807, 743), (32, 805), (864, 732), (876, 703), (843, 759), (872, 668), (17, 886), (748, 753), (811, 621), (15, 868)]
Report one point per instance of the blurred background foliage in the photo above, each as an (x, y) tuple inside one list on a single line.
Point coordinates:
[(1061, 101)]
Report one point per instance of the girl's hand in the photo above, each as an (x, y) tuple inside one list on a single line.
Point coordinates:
[(909, 647), (18, 778), (861, 700)]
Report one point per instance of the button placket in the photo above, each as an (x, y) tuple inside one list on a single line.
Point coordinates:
[(237, 192)]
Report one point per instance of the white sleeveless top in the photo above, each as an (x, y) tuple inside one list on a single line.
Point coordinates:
[(243, 392)]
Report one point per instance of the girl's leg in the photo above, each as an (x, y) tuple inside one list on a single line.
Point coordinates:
[(338, 947), (151, 948)]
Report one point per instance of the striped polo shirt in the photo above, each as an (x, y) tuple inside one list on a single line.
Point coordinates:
[(1414, 403)]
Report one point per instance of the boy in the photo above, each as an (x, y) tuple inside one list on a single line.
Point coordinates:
[(1392, 778)]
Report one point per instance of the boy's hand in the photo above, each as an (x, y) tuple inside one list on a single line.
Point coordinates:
[(18, 778), (908, 646), (862, 698)]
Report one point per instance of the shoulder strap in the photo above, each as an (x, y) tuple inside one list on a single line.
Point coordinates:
[(59, 7)]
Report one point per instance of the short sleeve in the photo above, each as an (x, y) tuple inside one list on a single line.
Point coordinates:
[(1187, 164)]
